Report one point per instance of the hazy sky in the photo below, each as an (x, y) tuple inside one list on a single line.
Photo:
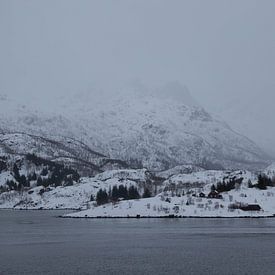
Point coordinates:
[(223, 50)]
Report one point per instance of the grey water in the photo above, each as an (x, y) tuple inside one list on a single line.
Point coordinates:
[(38, 242)]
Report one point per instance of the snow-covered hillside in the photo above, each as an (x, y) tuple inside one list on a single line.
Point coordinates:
[(186, 181), (166, 205), (57, 149), (180, 169), (161, 128), (78, 195), (194, 194), (191, 195), (270, 171), (59, 154)]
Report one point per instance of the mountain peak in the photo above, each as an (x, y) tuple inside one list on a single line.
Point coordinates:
[(176, 91), (161, 128)]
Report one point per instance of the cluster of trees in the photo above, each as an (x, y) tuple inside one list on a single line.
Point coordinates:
[(20, 179), (52, 174), (19, 182), (263, 182), (38, 161), (58, 176), (3, 166), (120, 192), (15, 185), (226, 186)]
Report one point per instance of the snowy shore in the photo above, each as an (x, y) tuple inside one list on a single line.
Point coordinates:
[(165, 205)]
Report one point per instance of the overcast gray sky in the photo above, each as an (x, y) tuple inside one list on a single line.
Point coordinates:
[(223, 50)]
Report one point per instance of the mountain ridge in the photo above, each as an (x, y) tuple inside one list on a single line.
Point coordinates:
[(160, 132)]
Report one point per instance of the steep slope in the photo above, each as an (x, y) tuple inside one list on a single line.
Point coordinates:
[(160, 129), (64, 150)]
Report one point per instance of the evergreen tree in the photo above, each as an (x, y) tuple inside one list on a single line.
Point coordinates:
[(3, 166), (20, 187), (44, 172), (69, 181), (75, 176), (146, 193), (110, 192), (39, 181), (45, 182), (23, 181), (249, 184), (11, 185), (213, 187), (101, 197), (115, 193), (263, 182), (133, 193), (3, 189), (32, 176), (16, 172), (123, 192)]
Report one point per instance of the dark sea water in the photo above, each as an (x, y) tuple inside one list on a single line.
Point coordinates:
[(37, 242)]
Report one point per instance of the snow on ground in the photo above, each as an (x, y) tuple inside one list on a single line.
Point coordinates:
[(209, 177), (270, 170), (180, 169), (133, 174), (70, 197), (164, 205), (181, 195), (4, 176), (66, 197)]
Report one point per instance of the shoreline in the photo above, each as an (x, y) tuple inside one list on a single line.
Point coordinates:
[(170, 217), (48, 209), (139, 216)]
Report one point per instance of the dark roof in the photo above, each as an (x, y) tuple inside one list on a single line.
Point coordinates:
[(251, 207)]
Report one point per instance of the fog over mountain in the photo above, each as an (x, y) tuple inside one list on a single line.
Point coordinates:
[(223, 51), (136, 109)]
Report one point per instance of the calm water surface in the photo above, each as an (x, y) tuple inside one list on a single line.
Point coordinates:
[(37, 242)]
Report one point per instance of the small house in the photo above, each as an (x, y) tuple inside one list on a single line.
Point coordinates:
[(202, 195), (251, 207), (214, 195)]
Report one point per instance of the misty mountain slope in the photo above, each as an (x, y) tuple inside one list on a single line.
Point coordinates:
[(160, 128), (256, 113), (165, 131)]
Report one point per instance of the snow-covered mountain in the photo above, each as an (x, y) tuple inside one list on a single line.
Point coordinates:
[(17, 146), (160, 129)]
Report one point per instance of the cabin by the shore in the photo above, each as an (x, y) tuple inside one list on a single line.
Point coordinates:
[(251, 207)]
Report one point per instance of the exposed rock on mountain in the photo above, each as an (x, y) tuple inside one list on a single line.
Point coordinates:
[(150, 129)]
